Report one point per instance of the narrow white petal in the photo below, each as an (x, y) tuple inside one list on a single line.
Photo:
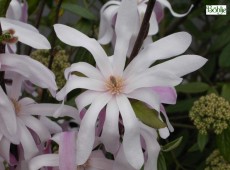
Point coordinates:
[(164, 48), (86, 135), (126, 26), (14, 10), (146, 95), (75, 82), (73, 37), (110, 134), (26, 33), (164, 132), (52, 126), (153, 27), (131, 140), (166, 118), (43, 160)]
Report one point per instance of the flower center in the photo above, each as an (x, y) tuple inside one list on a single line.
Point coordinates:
[(8, 37), (17, 106), (115, 85)]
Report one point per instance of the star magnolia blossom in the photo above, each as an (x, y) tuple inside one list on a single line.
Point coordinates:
[(66, 159), (110, 85), (110, 9)]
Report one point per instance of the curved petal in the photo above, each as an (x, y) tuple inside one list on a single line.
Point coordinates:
[(73, 37), (7, 113), (164, 132), (148, 79), (147, 96), (126, 26), (26, 101), (182, 65), (52, 126), (39, 128), (86, 98), (164, 48), (24, 17), (14, 10), (86, 135), (26, 33), (131, 140), (43, 160), (110, 136), (29, 68), (167, 95), (168, 5), (29, 147), (84, 68), (75, 82), (166, 118), (159, 11)]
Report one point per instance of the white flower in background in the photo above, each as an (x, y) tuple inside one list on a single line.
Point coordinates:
[(110, 85), (109, 12), (18, 10)]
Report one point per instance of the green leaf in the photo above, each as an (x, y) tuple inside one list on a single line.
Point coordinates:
[(161, 163), (226, 92), (223, 143), (172, 145), (222, 39), (202, 140), (78, 10), (147, 116), (225, 57), (194, 87), (181, 106), (84, 25), (3, 7)]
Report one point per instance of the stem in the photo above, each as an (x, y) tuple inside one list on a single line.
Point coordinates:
[(2, 73), (143, 32)]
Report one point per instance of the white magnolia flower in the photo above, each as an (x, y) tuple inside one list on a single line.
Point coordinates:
[(110, 85)]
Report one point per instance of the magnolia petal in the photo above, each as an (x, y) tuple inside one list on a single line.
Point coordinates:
[(164, 48), (148, 79), (39, 128), (52, 126), (147, 96), (7, 113), (110, 134), (100, 163), (75, 82), (43, 160), (164, 132), (131, 140), (86, 98), (24, 17), (26, 33), (166, 118), (86, 135), (29, 147), (168, 5), (167, 95), (126, 26), (26, 101), (67, 152), (14, 10), (182, 65), (29, 68), (84, 68), (74, 37), (159, 11), (5, 149)]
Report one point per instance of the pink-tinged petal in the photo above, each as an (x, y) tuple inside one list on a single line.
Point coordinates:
[(182, 65), (147, 96), (153, 149), (86, 98), (7, 113), (5, 149), (52, 126), (49, 109), (24, 16), (166, 119), (131, 140), (107, 13), (148, 79), (26, 33), (86, 135), (14, 10), (73, 37), (101, 121), (110, 136), (159, 11), (39, 128), (67, 152), (168, 5), (121, 162), (164, 48), (126, 26), (43, 160), (75, 82), (29, 147), (167, 95), (29, 68), (84, 68)]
